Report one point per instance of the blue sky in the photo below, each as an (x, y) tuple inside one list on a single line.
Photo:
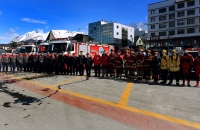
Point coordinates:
[(20, 16)]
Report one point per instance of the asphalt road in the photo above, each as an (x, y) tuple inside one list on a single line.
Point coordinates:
[(48, 102)]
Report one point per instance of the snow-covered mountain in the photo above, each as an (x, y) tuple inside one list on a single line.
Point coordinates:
[(140, 25), (36, 36), (33, 35)]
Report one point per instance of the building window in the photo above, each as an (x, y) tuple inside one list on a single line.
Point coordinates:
[(152, 11), (190, 21), (180, 31), (181, 5), (180, 14), (171, 33), (190, 3), (163, 25), (117, 33), (152, 19), (190, 12), (162, 18), (153, 34), (117, 26), (191, 30), (172, 16), (90, 31), (180, 22), (94, 28), (152, 26), (130, 35), (162, 33), (172, 24), (172, 8), (163, 10)]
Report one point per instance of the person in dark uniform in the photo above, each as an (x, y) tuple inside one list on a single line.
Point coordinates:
[(47, 62), (75, 64), (5, 62), (20, 62), (13, 62), (88, 65), (81, 63), (57, 64), (26, 64), (41, 63), (1, 59), (30, 62), (52, 64), (70, 63), (63, 61), (35, 62), (156, 67)]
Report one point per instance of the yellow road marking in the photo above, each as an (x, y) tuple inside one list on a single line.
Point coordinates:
[(126, 93), (144, 112)]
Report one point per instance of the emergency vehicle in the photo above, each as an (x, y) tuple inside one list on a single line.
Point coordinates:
[(9, 51), (57, 46), (43, 47), (29, 48)]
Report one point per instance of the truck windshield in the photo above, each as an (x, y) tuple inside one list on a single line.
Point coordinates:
[(43, 48), (8, 51), (57, 47), (27, 49)]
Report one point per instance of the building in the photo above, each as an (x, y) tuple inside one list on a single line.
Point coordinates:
[(174, 23), (111, 33)]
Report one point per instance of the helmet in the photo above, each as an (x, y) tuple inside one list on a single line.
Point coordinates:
[(164, 51), (174, 51), (149, 51)]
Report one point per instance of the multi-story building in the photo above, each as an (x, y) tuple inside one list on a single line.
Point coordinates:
[(174, 23), (111, 33)]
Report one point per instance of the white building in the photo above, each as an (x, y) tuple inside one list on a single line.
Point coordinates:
[(111, 33), (174, 23)]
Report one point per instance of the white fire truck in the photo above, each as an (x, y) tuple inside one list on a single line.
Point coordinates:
[(29, 48), (58, 46)]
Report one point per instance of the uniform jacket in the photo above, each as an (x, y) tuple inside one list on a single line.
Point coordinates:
[(118, 62), (6, 59), (174, 63), (104, 59), (81, 59), (1, 60), (20, 59), (111, 59), (164, 62), (97, 60), (196, 63), (148, 62), (186, 60), (13, 59), (41, 59), (140, 59), (131, 61), (25, 58), (156, 61), (88, 62)]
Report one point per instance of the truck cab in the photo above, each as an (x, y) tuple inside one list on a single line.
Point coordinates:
[(30, 48), (61, 45)]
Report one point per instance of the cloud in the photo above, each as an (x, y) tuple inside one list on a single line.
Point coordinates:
[(146, 18), (47, 27), (39, 30), (1, 13), (8, 36), (34, 21)]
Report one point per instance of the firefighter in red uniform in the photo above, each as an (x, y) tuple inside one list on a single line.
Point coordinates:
[(118, 65), (197, 69), (131, 63), (140, 64), (97, 63), (126, 56), (0, 62), (13, 62), (104, 63), (111, 61), (186, 61), (26, 64), (5, 62), (147, 65)]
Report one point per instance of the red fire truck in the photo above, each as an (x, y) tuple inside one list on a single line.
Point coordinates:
[(57, 46)]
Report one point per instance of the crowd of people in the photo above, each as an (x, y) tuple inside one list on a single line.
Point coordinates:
[(140, 66)]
